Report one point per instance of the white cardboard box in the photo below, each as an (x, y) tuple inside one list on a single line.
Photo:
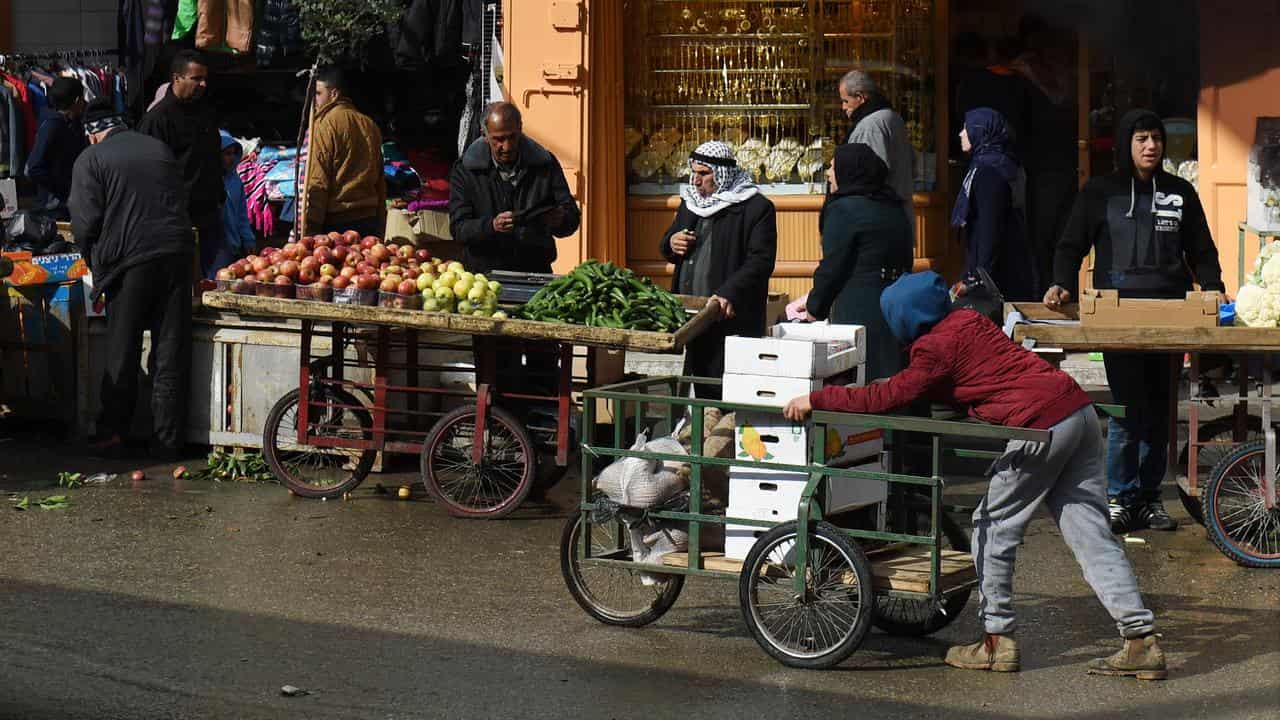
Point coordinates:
[(738, 540), (766, 389), (798, 350), (769, 438), (852, 493), (765, 494)]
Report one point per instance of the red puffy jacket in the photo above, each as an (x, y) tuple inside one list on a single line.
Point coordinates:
[(966, 360)]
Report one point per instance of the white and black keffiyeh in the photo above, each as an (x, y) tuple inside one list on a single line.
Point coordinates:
[(102, 124), (733, 184)]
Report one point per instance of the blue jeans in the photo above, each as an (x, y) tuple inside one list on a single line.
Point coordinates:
[(1138, 443)]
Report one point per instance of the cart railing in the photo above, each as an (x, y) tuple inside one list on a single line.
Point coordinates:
[(637, 394)]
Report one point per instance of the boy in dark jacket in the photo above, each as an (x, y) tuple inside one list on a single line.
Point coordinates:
[(129, 215), (962, 358), (59, 142), (1149, 234)]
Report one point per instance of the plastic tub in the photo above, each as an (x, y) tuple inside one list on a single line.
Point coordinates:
[(355, 296), (315, 292), (396, 300), (283, 292)]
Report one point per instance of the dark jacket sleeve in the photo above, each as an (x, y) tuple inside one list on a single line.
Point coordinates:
[(677, 224), (991, 199), (839, 256), (153, 124), (563, 199), (1075, 243), (1198, 247), (467, 223), (927, 369), (38, 162), (762, 249), (87, 206)]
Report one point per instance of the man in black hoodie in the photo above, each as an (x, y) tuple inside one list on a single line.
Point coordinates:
[(184, 120), (129, 215), (1151, 240)]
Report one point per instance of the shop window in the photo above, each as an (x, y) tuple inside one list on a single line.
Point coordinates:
[(763, 76)]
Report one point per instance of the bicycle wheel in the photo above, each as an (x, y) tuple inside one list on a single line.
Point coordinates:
[(614, 595), (1236, 518), (497, 485), (1221, 432), (308, 470), (826, 623), (917, 618)]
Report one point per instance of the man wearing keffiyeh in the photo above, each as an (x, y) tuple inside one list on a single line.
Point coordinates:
[(722, 242)]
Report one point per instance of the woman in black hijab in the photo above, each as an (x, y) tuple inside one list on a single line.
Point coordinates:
[(866, 245)]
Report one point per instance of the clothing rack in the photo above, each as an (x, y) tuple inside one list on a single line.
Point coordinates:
[(75, 54)]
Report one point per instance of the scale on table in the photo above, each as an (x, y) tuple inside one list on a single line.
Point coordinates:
[(519, 287)]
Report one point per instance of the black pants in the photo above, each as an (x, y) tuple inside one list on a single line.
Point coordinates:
[(209, 227), (153, 296), (1050, 194), (704, 357), (1138, 443)]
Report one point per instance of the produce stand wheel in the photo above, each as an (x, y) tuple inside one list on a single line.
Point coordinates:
[(614, 595), (1220, 430), (917, 618), (1236, 519), (502, 480), (829, 621), (316, 472)]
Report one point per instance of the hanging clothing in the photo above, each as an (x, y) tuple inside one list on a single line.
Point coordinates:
[(226, 23), (279, 32)]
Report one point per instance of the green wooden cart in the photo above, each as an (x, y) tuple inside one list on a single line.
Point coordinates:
[(809, 588)]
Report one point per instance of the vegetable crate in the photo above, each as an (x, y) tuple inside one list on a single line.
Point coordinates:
[(809, 589)]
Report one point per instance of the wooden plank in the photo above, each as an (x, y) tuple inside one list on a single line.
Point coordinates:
[(1080, 338), (900, 569), (526, 329)]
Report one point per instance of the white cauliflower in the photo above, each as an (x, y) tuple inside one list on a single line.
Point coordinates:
[(1271, 273), (1268, 251), (1257, 306)]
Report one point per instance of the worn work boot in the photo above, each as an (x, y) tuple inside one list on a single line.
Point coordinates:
[(1153, 515), (997, 653), (1140, 657)]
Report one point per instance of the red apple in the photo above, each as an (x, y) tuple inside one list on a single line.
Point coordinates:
[(364, 268), (290, 269), (308, 243), (410, 273), (389, 284), (259, 264), (350, 237), (422, 254), (408, 287), (339, 282), (379, 253), (310, 263), (367, 282), (347, 271), (322, 254), (353, 259), (265, 276), (306, 277), (326, 280), (283, 280), (225, 275), (405, 251), (340, 253), (334, 237), (328, 269), (368, 242), (323, 241)]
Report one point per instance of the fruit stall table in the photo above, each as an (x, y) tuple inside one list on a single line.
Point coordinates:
[(321, 439), (1238, 502)]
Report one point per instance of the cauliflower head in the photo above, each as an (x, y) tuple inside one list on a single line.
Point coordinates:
[(1271, 273), (1268, 251), (1257, 306)]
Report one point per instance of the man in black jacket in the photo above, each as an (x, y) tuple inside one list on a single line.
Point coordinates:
[(1149, 234), (184, 120), (58, 143), (723, 243), (129, 215), (508, 199)]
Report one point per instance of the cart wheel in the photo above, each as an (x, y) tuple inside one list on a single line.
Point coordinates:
[(1221, 430), (614, 595), (502, 480), (1236, 518), (316, 472), (917, 618), (830, 620)]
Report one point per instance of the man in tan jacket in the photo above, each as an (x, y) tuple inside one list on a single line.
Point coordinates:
[(345, 186)]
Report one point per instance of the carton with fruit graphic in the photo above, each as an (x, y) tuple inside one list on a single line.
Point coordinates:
[(769, 438)]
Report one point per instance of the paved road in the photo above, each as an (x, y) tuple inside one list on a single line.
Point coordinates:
[(167, 599)]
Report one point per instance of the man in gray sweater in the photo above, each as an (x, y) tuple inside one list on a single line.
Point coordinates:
[(877, 125)]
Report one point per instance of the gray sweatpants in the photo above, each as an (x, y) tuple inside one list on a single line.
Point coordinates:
[(1067, 474)]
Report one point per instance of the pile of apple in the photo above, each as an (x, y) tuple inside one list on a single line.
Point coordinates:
[(345, 260)]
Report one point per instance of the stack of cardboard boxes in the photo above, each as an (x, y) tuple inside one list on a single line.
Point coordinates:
[(792, 360)]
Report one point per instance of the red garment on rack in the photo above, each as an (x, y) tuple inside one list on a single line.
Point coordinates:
[(23, 93)]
